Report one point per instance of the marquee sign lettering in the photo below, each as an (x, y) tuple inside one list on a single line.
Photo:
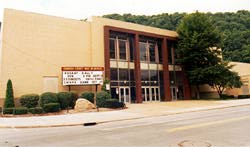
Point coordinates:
[(82, 75)]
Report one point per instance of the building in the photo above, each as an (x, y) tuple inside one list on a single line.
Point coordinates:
[(138, 60), (243, 69)]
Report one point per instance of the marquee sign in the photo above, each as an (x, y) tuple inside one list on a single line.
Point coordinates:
[(82, 75)]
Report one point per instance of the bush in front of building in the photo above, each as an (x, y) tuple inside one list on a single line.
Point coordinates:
[(243, 96), (51, 107), (21, 110), (8, 110), (114, 103), (29, 100), (9, 98), (48, 97), (225, 96), (74, 97), (64, 98), (101, 98), (36, 110), (88, 96)]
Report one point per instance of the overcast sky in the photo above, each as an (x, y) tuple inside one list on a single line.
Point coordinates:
[(80, 9)]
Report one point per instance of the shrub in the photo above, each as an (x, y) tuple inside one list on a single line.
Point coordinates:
[(9, 99), (88, 96), (51, 107), (36, 110), (114, 103), (74, 97), (21, 110), (101, 98), (48, 97), (243, 96), (64, 99), (8, 110), (225, 96), (29, 100)]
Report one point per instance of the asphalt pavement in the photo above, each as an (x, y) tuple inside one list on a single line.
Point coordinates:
[(227, 127)]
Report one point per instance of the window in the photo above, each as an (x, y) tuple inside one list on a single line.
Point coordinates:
[(122, 50), (153, 75), (131, 48), (152, 52), (113, 74), (123, 75), (171, 46), (112, 48), (121, 46), (149, 52), (143, 51), (144, 75)]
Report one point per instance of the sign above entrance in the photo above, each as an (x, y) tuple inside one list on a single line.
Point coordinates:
[(82, 75)]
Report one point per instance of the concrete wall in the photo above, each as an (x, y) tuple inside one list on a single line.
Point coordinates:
[(36, 46)]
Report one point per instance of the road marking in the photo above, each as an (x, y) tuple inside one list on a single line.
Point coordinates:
[(206, 124)]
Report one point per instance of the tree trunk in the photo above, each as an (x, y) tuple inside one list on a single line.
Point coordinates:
[(197, 92)]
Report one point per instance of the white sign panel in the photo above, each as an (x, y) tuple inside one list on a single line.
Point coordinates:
[(84, 77)]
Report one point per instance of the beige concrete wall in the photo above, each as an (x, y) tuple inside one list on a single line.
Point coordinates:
[(35, 46)]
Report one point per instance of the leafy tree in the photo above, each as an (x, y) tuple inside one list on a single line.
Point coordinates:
[(223, 78), (198, 46), (9, 99)]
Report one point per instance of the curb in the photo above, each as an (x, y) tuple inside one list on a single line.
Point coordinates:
[(108, 121)]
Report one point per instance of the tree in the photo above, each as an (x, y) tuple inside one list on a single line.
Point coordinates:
[(9, 99), (223, 77), (199, 47)]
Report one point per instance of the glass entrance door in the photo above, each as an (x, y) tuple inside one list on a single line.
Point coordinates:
[(173, 93), (150, 93), (124, 94)]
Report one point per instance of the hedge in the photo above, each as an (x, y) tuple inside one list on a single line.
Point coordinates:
[(8, 110), (88, 96), (21, 110), (29, 100), (48, 97), (101, 98), (51, 107), (64, 99), (74, 97), (36, 110), (243, 96), (114, 103), (225, 96)]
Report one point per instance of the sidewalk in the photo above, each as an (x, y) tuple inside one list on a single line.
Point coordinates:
[(134, 111)]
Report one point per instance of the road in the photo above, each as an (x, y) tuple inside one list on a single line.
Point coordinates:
[(222, 127)]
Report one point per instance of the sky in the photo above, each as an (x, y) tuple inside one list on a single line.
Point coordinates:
[(81, 9)]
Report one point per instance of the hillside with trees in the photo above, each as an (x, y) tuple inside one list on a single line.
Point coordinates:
[(233, 27)]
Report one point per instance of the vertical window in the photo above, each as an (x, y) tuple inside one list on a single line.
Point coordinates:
[(144, 75), (169, 47), (113, 74), (131, 48), (153, 75), (112, 48), (159, 52), (152, 52), (123, 75), (143, 51), (122, 49)]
